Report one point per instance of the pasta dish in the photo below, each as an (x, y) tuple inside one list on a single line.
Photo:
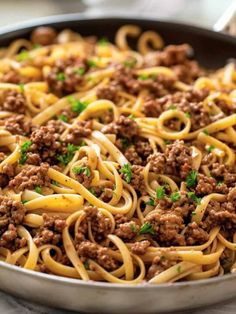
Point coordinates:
[(116, 165)]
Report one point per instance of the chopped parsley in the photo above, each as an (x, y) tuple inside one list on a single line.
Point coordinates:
[(131, 116), (172, 107), (103, 41), (125, 142), (66, 158), (179, 269), (24, 201), (77, 106), (86, 265), (38, 189), (150, 202), (188, 115), (175, 196), (167, 142), (91, 63), (210, 148), (55, 183), (191, 180), (92, 190), (79, 71), (143, 77), (61, 76), (80, 170), (219, 183), (205, 132), (133, 228), (129, 64), (194, 213), (63, 117), (23, 150), (160, 192), (23, 56), (127, 172), (194, 197), (36, 46), (147, 228), (22, 87)]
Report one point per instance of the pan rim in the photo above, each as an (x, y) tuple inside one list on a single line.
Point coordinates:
[(76, 17)]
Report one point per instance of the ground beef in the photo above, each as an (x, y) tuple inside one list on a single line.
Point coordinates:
[(12, 76), (30, 177), (127, 230), (100, 254), (85, 177), (140, 248), (137, 179), (8, 171), (167, 227), (43, 35), (205, 185), (152, 108), (104, 191), (46, 142), (13, 101), (11, 215), (18, 124), (50, 232), (159, 264), (132, 156), (223, 174), (124, 127), (82, 129), (64, 77), (107, 92), (57, 125), (143, 148), (195, 235), (175, 161)]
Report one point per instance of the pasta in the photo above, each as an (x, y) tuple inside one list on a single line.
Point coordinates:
[(116, 165)]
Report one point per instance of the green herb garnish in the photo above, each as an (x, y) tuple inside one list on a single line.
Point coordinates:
[(210, 148), (63, 117), (193, 213), (143, 77), (61, 76), (147, 228), (125, 142), (205, 132), (194, 197), (55, 183), (92, 190), (160, 192), (150, 202), (188, 115), (38, 189), (91, 63), (167, 142), (23, 56), (130, 64), (77, 105), (24, 201), (79, 71), (133, 228), (175, 196), (172, 107), (22, 87), (66, 158), (80, 170), (179, 269), (219, 183), (127, 172), (23, 150), (103, 41), (131, 116), (191, 178)]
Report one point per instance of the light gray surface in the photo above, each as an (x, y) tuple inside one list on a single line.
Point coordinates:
[(201, 12)]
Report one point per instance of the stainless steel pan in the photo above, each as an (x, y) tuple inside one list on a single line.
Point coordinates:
[(212, 50)]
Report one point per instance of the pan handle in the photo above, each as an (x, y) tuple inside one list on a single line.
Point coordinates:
[(227, 21)]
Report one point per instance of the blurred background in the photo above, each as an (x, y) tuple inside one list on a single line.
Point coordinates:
[(199, 12)]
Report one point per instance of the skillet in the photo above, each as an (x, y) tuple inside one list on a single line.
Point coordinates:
[(212, 50)]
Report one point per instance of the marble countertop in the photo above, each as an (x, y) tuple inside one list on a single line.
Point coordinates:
[(201, 12)]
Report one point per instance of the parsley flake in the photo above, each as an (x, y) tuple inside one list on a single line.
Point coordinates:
[(150, 202), (77, 106), (127, 172), (91, 63), (172, 107), (24, 201), (55, 183), (191, 178), (80, 71), (147, 228), (194, 197), (160, 192), (23, 56), (129, 63), (143, 77), (80, 170), (66, 158), (179, 269), (133, 228), (23, 150), (22, 87), (188, 115), (63, 117), (175, 196), (194, 213), (210, 148), (103, 41), (205, 132), (38, 189), (61, 76)]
